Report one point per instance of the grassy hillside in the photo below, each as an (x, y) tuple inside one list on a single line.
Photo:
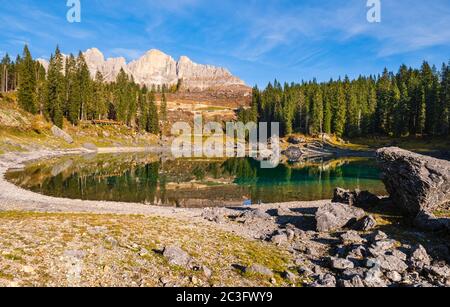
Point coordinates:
[(21, 131)]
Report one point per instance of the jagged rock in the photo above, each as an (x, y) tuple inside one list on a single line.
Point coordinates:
[(332, 217), (279, 239), (325, 281), (176, 256), (157, 68), (289, 276), (373, 278), (428, 222), (59, 133), (358, 252), (419, 257), (351, 237), (366, 224), (378, 236), (259, 269), (256, 214), (439, 270), (341, 264), (382, 246), (355, 282), (415, 182), (355, 198), (394, 276), (391, 263)]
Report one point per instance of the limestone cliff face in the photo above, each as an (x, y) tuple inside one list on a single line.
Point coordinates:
[(154, 67), (109, 68), (157, 68)]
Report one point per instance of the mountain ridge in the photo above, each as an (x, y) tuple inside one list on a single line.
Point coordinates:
[(156, 68)]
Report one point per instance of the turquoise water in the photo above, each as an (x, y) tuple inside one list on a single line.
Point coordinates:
[(152, 180)]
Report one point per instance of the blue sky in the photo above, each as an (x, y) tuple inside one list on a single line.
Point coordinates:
[(258, 40)]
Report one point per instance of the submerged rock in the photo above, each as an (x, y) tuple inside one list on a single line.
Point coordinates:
[(332, 217), (415, 182)]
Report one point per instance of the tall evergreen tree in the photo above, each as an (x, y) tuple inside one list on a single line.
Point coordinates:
[(55, 89), (27, 84)]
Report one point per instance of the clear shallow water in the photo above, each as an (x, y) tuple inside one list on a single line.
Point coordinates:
[(150, 179)]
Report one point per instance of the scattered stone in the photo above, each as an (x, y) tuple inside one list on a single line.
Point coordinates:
[(325, 281), (28, 269), (333, 216), (373, 278), (378, 236), (59, 133), (415, 182), (394, 276), (439, 270), (290, 234), (391, 263), (351, 237), (381, 247), (419, 257), (256, 214), (176, 256), (279, 239), (206, 271), (341, 264), (366, 224), (259, 269), (358, 252), (289, 276), (355, 282), (216, 215)]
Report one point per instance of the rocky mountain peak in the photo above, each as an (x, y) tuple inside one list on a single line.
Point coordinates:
[(157, 68)]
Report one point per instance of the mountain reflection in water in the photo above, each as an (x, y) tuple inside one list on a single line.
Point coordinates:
[(149, 179)]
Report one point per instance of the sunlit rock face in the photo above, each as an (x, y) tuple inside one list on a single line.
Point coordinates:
[(157, 68), (109, 68)]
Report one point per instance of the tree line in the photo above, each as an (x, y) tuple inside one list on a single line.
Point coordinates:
[(66, 90), (409, 102)]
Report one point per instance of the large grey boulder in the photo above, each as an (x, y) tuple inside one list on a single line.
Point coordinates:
[(59, 133), (415, 182), (176, 256), (334, 216)]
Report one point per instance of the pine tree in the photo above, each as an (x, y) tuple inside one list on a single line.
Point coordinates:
[(339, 111), (27, 84), (163, 111), (99, 108), (84, 83), (153, 120), (55, 89), (5, 66)]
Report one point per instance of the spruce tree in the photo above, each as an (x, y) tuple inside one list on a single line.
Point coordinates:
[(27, 83), (55, 89)]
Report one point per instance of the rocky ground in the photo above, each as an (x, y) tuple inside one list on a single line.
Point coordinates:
[(357, 240)]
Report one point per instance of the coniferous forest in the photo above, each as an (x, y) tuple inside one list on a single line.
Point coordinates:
[(408, 102)]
